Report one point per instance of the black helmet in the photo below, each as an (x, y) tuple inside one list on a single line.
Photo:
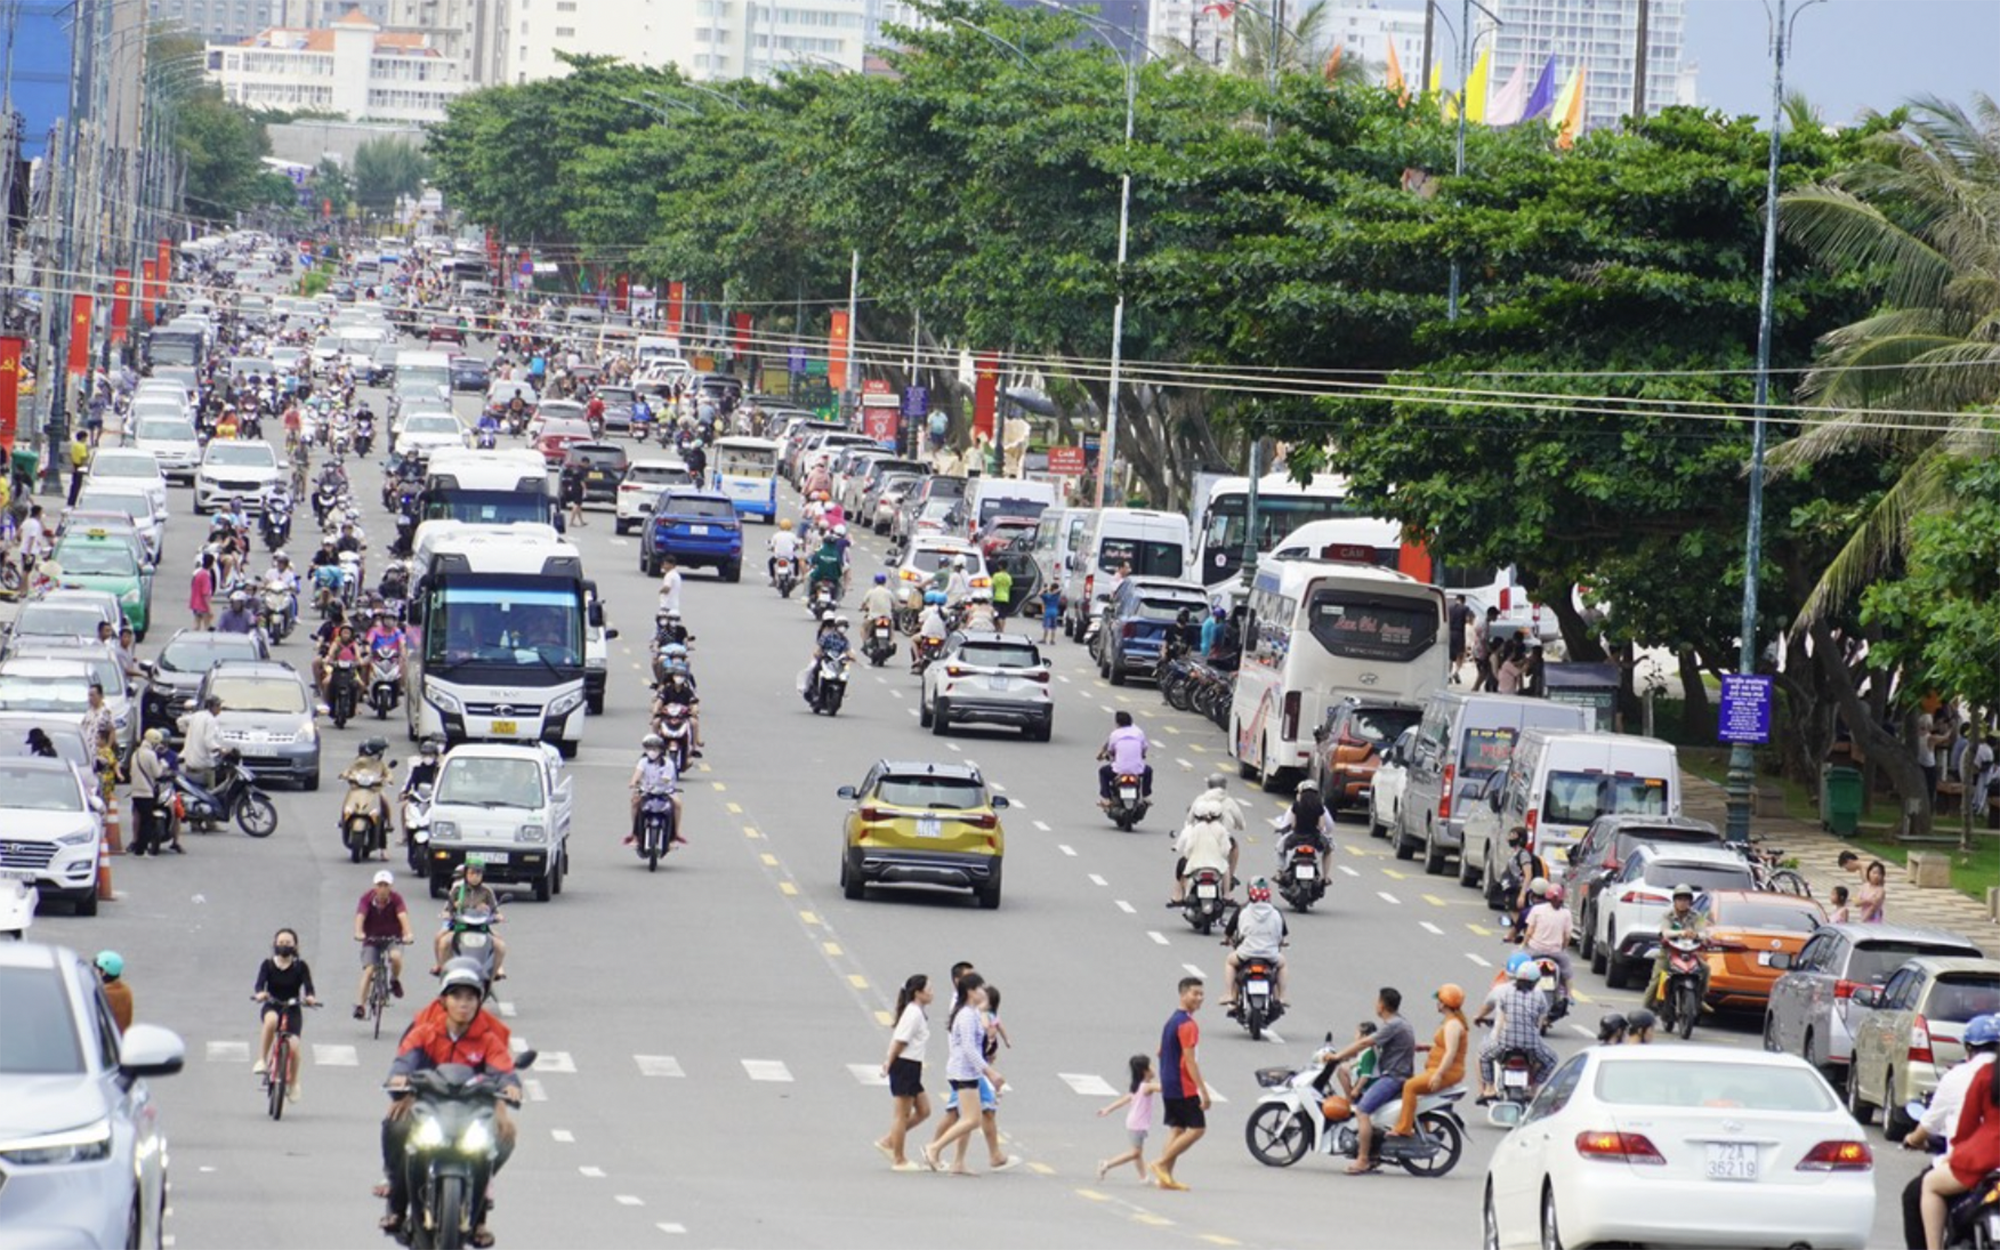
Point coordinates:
[(432, 745), (374, 746), (1611, 1028), (1641, 1020)]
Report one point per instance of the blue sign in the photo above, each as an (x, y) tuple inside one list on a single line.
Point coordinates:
[(796, 359), (1746, 709), (916, 401)]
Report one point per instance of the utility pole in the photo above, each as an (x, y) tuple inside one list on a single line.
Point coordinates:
[(853, 386), (1430, 32), (1639, 62)]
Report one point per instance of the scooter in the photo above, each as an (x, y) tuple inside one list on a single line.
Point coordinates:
[(1514, 1078), (1203, 907), (1129, 802), (674, 725), (923, 651), (417, 828), (363, 811), (786, 577), (827, 692), (234, 796), (385, 689), (1256, 1007), (274, 606), (452, 1150), (1302, 880), (276, 522), (1299, 1112), (656, 828), (881, 641), (1680, 997), (342, 692), (487, 437), (364, 436), (18, 898), (472, 938)]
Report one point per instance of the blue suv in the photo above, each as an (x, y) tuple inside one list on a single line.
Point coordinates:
[(698, 528), (1138, 621)]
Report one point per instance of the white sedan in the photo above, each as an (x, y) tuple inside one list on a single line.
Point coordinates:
[(1385, 792), (1673, 1145), (427, 431)]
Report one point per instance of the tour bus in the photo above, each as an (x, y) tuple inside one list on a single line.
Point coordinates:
[(746, 470), (1370, 540), (1282, 506), (498, 623), (487, 487), (1318, 630)]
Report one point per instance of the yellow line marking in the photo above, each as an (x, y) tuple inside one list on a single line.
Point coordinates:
[(809, 917), (735, 809), (719, 787), (1124, 698), (770, 860), (831, 948), (1480, 929), (1582, 998), (1196, 746), (786, 887), (1039, 1169), (1147, 1217), (1393, 873), (883, 1017), (1220, 1240), (858, 981), (1172, 730), (1092, 1194), (750, 831), (1434, 900)]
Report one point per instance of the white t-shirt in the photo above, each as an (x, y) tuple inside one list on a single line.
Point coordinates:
[(1941, 1118), (914, 1032), (670, 591), (1926, 753), (784, 544)]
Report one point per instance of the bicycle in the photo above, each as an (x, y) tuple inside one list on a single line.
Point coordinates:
[(379, 979), (1768, 874), (278, 1064)]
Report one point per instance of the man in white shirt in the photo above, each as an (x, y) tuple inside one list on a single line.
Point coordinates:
[(670, 585), (203, 748), (34, 536), (1940, 1120)]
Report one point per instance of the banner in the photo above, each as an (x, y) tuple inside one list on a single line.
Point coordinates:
[(1066, 461), (624, 292), (149, 289), (166, 265), (79, 335), (676, 301), (10, 391), (985, 394), (121, 305), (742, 323), (836, 353)]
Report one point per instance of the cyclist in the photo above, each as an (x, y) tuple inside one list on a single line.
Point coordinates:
[(282, 978), (382, 916)]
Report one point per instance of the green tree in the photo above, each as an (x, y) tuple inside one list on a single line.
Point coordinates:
[(330, 183), (386, 170), (223, 148)]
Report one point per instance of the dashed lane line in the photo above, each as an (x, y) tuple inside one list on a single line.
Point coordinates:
[(1095, 879), (594, 1173), (562, 1135), (1387, 897), (1159, 938), (767, 1070), (1481, 960), (1431, 928), (658, 1065), (1125, 907), (1349, 871)]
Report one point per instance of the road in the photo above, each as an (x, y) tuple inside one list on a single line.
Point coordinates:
[(710, 1035)]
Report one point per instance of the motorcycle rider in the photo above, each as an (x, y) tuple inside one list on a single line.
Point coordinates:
[(654, 774), (958, 585), (422, 771), (1233, 822), (831, 644), (1525, 867), (384, 637), (1546, 932), (369, 760), (677, 686), (784, 546), (980, 615), (281, 573), (469, 893), (1444, 1065), (1940, 1119), (878, 601), (1203, 843), (1125, 750), (1256, 931), (1521, 1009), (237, 618), (1395, 1047), (453, 1029), (1682, 918), (1305, 823), (931, 629), (829, 565)]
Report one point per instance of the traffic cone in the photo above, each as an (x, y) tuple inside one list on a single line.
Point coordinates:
[(114, 827), (105, 894)]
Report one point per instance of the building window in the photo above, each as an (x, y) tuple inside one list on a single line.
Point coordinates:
[(565, 32)]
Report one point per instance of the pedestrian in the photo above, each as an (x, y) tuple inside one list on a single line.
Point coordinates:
[(79, 460), (905, 1069), (203, 745), (147, 775), (965, 1069), (572, 491), (1928, 739), (1848, 861), (1838, 913), (1872, 899), (1183, 1094), (670, 585), (117, 994), (1485, 654), (1513, 667), (1003, 592), (1138, 1100), (1459, 622), (201, 593), (1052, 604)]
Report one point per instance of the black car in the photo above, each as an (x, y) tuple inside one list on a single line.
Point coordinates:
[(602, 466), (173, 677), (470, 373)]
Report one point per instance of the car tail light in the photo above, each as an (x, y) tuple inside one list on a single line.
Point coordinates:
[(984, 820), (1635, 896), (953, 670), (1037, 674), (1089, 584), (1845, 989), (1631, 1147), (871, 814), (1444, 792), (1838, 1156), (1920, 1041), (1289, 728)]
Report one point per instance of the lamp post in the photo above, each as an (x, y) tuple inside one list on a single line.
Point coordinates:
[(1467, 40), (1742, 762)]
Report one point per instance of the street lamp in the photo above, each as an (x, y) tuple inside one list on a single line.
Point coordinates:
[(1742, 762), (1467, 41)]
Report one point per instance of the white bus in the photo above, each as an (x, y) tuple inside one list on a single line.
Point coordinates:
[(746, 470), (1316, 631), (1282, 506), (506, 487), (498, 634)]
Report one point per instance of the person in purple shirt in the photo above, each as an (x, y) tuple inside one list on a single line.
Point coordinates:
[(1126, 751)]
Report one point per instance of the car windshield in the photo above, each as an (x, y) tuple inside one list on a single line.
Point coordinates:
[(1874, 961), (39, 789), (37, 1031), (1000, 654), (21, 693), (96, 558), (432, 424), (949, 793), (57, 620), (258, 694), (487, 781), (1666, 874), (682, 505), (259, 455), (1959, 996), (664, 474), (165, 430), (931, 559), (125, 466), (187, 655), (1579, 798), (1756, 913), (1713, 1085)]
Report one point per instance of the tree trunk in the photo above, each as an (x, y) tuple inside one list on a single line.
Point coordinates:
[(1890, 752), (1583, 646)]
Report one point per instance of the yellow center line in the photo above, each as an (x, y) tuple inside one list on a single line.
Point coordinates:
[(886, 1018), (1393, 873), (770, 860), (1220, 1240), (1435, 901), (719, 787), (1147, 1217), (1172, 729), (1093, 1195), (809, 917), (750, 831), (831, 948), (735, 809), (786, 887), (1480, 929), (1196, 746), (1039, 1169)]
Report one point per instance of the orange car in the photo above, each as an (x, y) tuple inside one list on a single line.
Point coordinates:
[(1747, 927)]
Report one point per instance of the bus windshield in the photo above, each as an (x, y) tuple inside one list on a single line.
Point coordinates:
[(1277, 516), (170, 349), (487, 507), (1358, 625), (508, 621)]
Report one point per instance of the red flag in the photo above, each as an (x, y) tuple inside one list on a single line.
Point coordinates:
[(1224, 11), (79, 334), (10, 391), (149, 288), (836, 353), (676, 297), (985, 393), (743, 323), (166, 267), (121, 304), (624, 292)]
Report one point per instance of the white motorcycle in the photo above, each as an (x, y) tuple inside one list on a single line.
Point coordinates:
[(417, 828), (1300, 1112), (18, 897)]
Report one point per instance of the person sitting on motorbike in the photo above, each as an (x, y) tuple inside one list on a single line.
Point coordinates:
[(385, 638), (642, 412), (655, 775), (1524, 867), (1444, 1065), (469, 893), (1304, 823), (1256, 931), (489, 424), (225, 426), (351, 538), (878, 601), (670, 631), (1217, 789), (1125, 750), (455, 1030), (784, 546), (341, 646), (931, 630), (958, 585), (368, 762), (829, 566), (677, 686), (1546, 931), (830, 643), (1681, 918), (1203, 843), (1521, 1008), (980, 616), (517, 411), (237, 618), (422, 771)]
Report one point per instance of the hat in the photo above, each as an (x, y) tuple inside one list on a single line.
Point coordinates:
[(385, 877)]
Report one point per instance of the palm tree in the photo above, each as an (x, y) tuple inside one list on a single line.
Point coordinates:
[(1298, 43), (1924, 212)]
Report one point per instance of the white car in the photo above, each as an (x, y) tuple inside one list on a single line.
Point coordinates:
[(130, 466), (1678, 1145), (169, 438), (426, 431), (511, 803), (1631, 906), (994, 679), (641, 487), (83, 1158), (929, 553), (1385, 792), (52, 820), (230, 469)]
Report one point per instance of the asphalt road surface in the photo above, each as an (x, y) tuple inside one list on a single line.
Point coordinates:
[(710, 1035)]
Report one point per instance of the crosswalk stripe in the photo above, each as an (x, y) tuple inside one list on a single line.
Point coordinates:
[(658, 1065), (327, 1055), (228, 1052), (1088, 1083), (767, 1070), (555, 1061), (868, 1073)]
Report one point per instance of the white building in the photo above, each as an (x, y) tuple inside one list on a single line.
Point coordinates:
[(1602, 36), (353, 68), (745, 39)]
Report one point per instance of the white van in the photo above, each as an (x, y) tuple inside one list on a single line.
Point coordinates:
[(1152, 544), (1057, 535), (1560, 781), (1008, 496)]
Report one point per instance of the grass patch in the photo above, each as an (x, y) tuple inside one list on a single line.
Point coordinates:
[(1971, 872)]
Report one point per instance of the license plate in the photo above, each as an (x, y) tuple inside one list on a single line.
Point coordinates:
[(881, 631), (1204, 891), (1732, 1161), (1258, 987), (697, 529), (19, 874), (496, 857), (929, 827), (472, 941), (1128, 793), (997, 683), (1306, 872), (1514, 1078), (506, 727), (600, 477), (1763, 959)]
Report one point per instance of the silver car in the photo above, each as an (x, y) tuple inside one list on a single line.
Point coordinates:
[(1814, 1012), (83, 1159)]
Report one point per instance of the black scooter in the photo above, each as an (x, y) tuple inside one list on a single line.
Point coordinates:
[(234, 796)]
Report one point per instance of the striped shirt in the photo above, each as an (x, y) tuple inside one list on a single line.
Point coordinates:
[(967, 1058)]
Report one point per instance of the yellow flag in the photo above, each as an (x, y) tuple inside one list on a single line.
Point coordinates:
[(1566, 118), (1437, 78), (1475, 89)]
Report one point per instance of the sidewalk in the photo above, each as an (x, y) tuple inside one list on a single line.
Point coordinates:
[(1817, 853)]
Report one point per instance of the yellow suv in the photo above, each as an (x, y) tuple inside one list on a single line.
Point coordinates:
[(923, 824)]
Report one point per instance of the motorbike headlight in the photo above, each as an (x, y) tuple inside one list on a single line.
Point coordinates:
[(534, 833), (477, 1138), (77, 1145), (444, 830), (428, 1135), (444, 700), (564, 704)]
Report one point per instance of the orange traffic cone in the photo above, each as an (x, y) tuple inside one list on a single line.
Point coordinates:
[(114, 831), (104, 892)]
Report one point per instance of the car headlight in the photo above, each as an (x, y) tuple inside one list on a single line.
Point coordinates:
[(82, 837), (444, 830), (564, 704), (444, 700), (533, 833), (428, 1135), (78, 1145), (308, 732), (476, 1140)]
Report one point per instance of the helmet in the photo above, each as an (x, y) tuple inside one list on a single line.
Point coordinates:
[(1641, 1020), (1529, 971), (933, 596), (475, 862), (841, 622), (1555, 894), (1216, 781), (1220, 612), (1983, 1030), (1611, 1026), (461, 972), (840, 531), (672, 614), (958, 562), (111, 963), (881, 579), (826, 617), (1517, 961), (154, 737), (1540, 885), (1684, 888), (1308, 785), (785, 524), (1260, 891), (281, 557), (1336, 1109), (237, 596), (374, 746), (1451, 997), (431, 746), (353, 514), (652, 742)]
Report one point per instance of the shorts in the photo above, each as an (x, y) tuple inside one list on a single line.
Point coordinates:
[(368, 951), (1382, 1091), (987, 1102), (906, 1078), (1138, 1137), (291, 1019), (1184, 1113)]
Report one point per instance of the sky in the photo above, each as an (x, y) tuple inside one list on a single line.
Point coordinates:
[(1847, 56)]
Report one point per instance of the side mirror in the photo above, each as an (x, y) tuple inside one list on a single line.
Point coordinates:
[(149, 1050), (1869, 996), (1504, 1114), (1781, 960), (847, 792), (595, 614), (1000, 801), (610, 633)]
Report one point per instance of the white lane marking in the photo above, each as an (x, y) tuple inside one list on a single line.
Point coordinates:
[(1125, 907), (1059, 846), (1108, 709), (1349, 871), (1478, 959), (868, 1073), (1387, 897), (973, 763), (1097, 880), (895, 694), (1431, 927), (1159, 938), (1187, 764), (328, 1055), (229, 1052), (1064, 680), (994, 786), (671, 1228), (1193, 971), (1272, 1037), (1088, 1084), (555, 1061), (506, 1010), (767, 1070), (630, 1200), (1215, 1095), (658, 1065), (1016, 804), (912, 711), (1582, 1031), (562, 1135), (596, 1174), (535, 1091)]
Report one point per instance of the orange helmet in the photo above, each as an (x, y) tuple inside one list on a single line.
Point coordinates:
[(1450, 997), (1336, 1109)]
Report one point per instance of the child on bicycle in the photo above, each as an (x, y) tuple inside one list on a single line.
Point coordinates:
[(282, 979)]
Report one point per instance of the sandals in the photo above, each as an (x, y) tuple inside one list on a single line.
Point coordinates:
[(1362, 1169), (481, 1237)]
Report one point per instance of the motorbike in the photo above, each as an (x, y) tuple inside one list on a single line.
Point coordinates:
[(18, 897), (674, 723), (1302, 880), (1204, 905), (1680, 997), (417, 827), (1973, 1220), (820, 601), (1256, 1007), (326, 499), (1299, 1112), (472, 938), (880, 643), (364, 436), (487, 438), (1129, 802), (274, 610), (343, 437), (656, 828), (385, 689), (234, 796), (342, 692), (787, 578), (350, 579), (452, 1151), (826, 694), (1514, 1078), (395, 585), (363, 812), (276, 522), (923, 651)]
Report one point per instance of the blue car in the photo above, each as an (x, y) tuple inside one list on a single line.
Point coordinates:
[(1138, 622), (698, 528)]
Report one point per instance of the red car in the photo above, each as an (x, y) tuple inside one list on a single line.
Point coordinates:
[(1001, 531), (447, 331), (556, 436)]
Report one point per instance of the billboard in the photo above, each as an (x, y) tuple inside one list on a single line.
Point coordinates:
[(41, 55)]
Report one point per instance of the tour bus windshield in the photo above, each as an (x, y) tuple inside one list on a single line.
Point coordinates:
[(511, 621)]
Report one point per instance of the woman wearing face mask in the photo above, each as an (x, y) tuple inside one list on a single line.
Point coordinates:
[(283, 978)]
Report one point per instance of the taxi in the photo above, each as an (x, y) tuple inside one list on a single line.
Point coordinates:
[(1746, 928), (97, 559), (923, 824)]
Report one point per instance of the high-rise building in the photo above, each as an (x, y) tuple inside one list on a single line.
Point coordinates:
[(214, 20), (1602, 37), (747, 39), (353, 67)]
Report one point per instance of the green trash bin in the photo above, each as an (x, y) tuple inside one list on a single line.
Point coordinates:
[(1841, 813)]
